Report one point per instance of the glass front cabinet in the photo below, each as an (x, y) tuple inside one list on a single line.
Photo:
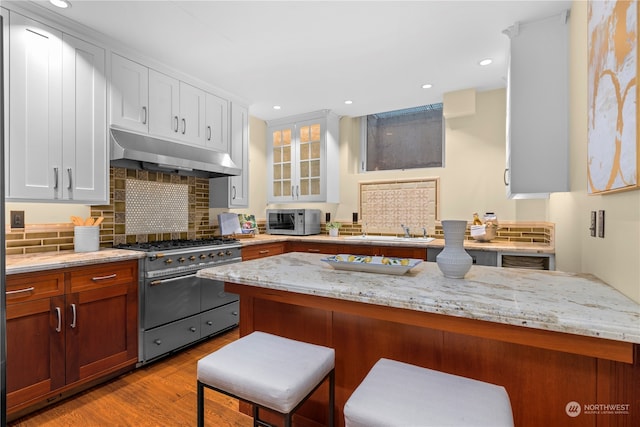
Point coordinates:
[(303, 159)]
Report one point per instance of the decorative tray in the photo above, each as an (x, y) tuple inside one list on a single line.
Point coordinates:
[(372, 264)]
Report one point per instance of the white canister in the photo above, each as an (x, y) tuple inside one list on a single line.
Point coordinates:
[(86, 238)]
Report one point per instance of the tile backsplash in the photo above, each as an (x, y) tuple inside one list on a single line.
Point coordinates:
[(156, 207)]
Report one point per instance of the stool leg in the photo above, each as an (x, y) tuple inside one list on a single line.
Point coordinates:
[(332, 381), (200, 405)]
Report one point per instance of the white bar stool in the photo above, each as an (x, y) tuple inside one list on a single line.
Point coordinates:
[(398, 394), (267, 371)]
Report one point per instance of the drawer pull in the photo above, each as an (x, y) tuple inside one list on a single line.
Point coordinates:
[(192, 329), (235, 313), (73, 310), (59, 327), (313, 250), (20, 291), (157, 341), (111, 276), (264, 251), (209, 323)]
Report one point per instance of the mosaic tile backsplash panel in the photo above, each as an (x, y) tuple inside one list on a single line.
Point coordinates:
[(156, 207), (385, 205)]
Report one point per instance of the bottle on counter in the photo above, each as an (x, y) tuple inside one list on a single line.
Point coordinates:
[(476, 219)]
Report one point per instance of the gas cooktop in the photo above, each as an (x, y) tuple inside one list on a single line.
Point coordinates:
[(166, 245)]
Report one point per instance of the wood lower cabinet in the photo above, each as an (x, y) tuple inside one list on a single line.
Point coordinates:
[(341, 248), (262, 250), (69, 327), (313, 247)]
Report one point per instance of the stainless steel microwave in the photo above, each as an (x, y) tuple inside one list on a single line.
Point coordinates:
[(294, 222)]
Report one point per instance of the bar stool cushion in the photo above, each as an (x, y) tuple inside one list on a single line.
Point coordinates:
[(269, 370), (399, 394)]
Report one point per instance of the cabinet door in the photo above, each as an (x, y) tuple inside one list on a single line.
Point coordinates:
[(310, 161), (164, 105), (101, 331), (84, 126), (280, 158), (34, 162), (35, 350), (192, 127), (217, 119), (239, 185), (129, 94)]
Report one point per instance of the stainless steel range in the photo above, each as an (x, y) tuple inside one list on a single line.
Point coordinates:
[(176, 307)]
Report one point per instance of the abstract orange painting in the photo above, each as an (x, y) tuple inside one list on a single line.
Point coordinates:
[(613, 154)]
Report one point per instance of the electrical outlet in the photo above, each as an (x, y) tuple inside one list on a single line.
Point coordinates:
[(592, 226), (600, 223), (17, 219)]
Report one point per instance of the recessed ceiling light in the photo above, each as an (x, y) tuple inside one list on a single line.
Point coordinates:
[(276, 107), (427, 86), (348, 102), (60, 3), (486, 61)]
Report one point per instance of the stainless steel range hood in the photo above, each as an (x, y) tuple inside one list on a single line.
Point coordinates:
[(137, 151)]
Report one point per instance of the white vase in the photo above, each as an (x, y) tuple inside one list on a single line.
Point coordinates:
[(454, 261)]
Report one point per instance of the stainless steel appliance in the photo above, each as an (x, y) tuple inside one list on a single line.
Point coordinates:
[(294, 222), (176, 308)]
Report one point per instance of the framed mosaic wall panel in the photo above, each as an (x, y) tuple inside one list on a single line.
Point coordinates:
[(613, 149)]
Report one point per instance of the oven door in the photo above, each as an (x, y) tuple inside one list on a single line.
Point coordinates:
[(169, 299), (282, 222), (213, 294)]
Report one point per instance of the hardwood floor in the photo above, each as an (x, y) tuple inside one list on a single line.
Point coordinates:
[(159, 394)]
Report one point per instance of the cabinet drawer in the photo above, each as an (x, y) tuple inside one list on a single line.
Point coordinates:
[(313, 248), (219, 319), (170, 337), (33, 286), (262, 251), (95, 276)]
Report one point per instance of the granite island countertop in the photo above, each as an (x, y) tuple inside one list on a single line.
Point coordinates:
[(28, 263), (548, 300)]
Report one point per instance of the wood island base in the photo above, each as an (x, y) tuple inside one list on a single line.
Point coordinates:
[(543, 371)]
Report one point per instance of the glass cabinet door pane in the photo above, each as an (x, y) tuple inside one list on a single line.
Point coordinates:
[(304, 169), (304, 187), (315, 186), (314, 168)]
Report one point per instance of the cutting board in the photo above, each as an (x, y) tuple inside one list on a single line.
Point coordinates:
[(229, 224)]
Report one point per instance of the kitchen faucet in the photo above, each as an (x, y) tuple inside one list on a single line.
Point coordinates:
[(406, 230), (364, 231), (424, 232)]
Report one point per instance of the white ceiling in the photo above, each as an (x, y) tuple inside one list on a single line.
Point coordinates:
[(307, 56)]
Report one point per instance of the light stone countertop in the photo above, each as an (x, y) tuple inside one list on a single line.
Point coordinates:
[(28, 263), (497, 246), (549, 300)]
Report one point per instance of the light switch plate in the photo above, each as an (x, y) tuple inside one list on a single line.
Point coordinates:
[(592, 226), (600, 223)]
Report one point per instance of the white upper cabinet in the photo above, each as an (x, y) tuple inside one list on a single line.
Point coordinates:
[(84, 126), (192, 101), (55, 153), (302, 159), (34, 164), (164, 105), (129, 94), (233, 191), (216, 121), (538, 108)]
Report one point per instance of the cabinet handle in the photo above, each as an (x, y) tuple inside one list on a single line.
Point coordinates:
[(504, 176), (70, 178), (313, 250), (73, 310), (59, 327), (209, 323), (209, 130), (111, 276), (20, 291), (55, 178), (144, 120), (233, 191), (235, 313), (157, 342), (264, 251), (192, 329), (184, 125), (297, 191), (293, 194), (175, 129)]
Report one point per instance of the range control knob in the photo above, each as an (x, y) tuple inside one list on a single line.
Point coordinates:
[(212, 255), (203, 256), (221, 253), (192, 258), (182, 259), (228, 253), (168, 261)]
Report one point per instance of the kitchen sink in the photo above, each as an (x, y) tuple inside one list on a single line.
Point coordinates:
[(391, 239)]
